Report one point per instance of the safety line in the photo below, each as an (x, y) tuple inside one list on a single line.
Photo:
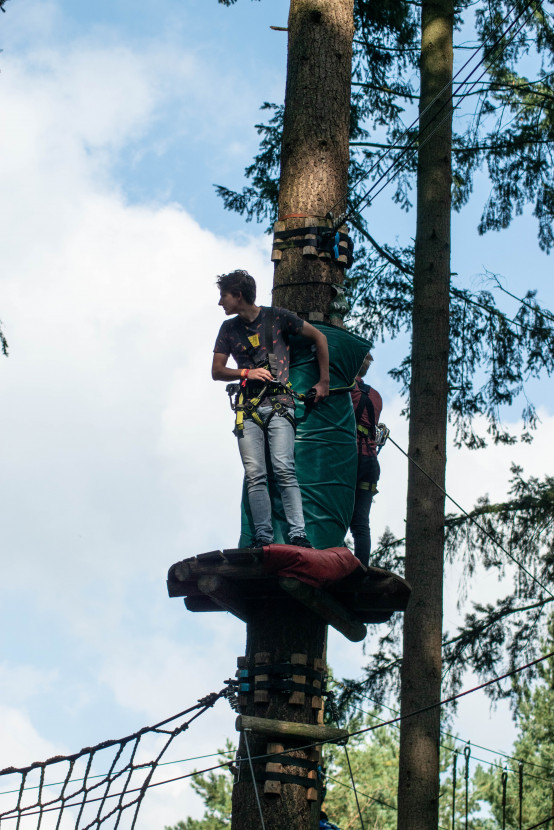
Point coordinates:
[(455, 751), (253, 778), (541, 823), (455, 292), (364, 795), (206, 702), (472, 519), (354, 787), (343, 217), (454, 737), (223, 766), (103, 774), (400, 718), (335, 714), (416, 143), (452, 698), (390, 722)]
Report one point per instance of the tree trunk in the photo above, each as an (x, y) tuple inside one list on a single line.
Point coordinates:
[(418, 792), (314, 180), (279, 630), (314, 153)]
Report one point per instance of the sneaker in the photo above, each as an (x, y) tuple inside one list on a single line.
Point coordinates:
[(300, 541)]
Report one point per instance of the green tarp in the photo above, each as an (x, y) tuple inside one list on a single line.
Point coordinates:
[(325, 451)]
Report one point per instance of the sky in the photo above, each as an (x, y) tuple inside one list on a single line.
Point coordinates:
[(117, 457)]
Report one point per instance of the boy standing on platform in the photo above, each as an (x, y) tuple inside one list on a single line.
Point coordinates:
[(258, 340)]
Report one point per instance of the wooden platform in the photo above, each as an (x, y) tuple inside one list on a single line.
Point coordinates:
[(236, 581)]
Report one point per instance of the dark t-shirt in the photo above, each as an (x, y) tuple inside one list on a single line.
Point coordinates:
[(235, 333), (367, 446)]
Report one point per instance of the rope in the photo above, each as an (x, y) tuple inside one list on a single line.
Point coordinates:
[(77, 798), (455, 697), (91, 795), (253, 778), (356, 206), (475, 522), (335, 714), (354, 787), (456, 292), (549, 770)]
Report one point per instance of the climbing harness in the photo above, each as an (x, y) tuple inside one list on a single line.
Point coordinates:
[(245, 400), (365, 404), (246, 405), (382, 432), (375, 432)]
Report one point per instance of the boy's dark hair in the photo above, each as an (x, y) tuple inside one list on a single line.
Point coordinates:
[(238, 282)]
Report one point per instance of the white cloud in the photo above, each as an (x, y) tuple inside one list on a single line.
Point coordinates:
[(111, 461), (20, 742)]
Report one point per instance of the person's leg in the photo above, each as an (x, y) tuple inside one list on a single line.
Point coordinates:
[(359, 524), (252, 452), (368, 475), (280, 434)]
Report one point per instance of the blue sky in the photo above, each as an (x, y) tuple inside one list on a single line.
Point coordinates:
[(117, 456)]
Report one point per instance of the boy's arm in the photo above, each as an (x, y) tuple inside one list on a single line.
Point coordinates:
[(322, 353), (220, 370)]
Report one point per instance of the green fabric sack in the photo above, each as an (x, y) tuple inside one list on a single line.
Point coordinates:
[(325, 446)]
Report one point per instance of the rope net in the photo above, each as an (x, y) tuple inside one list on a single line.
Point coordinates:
[(75, 791)]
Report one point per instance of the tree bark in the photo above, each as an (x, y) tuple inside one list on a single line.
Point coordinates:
[(418, 792), (314, 152), (314, 180), (279, 629)]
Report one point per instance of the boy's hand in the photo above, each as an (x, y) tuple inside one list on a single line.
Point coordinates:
[(321, 390), (260, 374)]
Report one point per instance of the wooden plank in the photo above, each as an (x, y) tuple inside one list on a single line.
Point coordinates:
[(289, 729), (325, 606), (211, 556), (299, 659), (261, 696), (225, 594), (311, 792), (262, 658), (201, 604), (195, 568), (237, 555)]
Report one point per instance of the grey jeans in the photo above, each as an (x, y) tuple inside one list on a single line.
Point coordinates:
[(279, 436)]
